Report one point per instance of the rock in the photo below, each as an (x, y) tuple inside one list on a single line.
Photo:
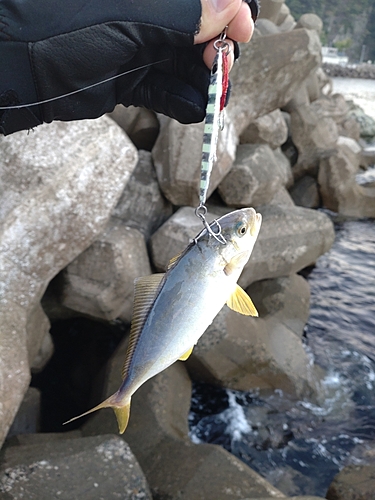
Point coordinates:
[(283, 14), (284, 299), (174, 236), (285, 167), (354, 482), (366, 123), (269, 129), (271, 9), (89, 468), (313, 86), (314, 136), (39, 342), (299, 99), (99, 282), (272, 69), (27, 419), (333, 106), (282, 197), (288, 24), (290, 239), (254, 178), (140, 124), (177, 157), (349, 127), (57, 197), (142, 204), (266, 353), (305, 192), (310, 22), (267, 27), (197, 472), (367, 157), (338, 187)]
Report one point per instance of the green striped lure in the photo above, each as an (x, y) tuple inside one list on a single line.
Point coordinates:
[(214, 122)]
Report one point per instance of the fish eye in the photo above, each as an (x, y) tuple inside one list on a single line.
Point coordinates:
[(241, 229)]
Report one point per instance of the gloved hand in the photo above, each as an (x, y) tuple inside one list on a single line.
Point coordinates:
[(50, 48)]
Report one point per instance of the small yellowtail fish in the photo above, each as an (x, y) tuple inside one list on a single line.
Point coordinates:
[(172, 310)]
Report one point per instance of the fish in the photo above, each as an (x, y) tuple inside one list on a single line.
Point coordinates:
[(172, 310)]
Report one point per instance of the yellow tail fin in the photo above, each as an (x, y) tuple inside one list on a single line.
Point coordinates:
[(122, 411)]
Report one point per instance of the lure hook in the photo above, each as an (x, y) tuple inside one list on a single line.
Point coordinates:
[(201, 212)]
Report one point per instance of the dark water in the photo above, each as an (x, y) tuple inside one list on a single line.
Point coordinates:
[(300, 446)]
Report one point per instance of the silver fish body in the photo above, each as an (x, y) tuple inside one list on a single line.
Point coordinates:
[(172, 311)]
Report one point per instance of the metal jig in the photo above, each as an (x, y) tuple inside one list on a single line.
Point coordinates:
[(213, 123)]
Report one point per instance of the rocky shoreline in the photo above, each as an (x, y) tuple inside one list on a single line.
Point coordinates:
[(88, 206), (366, 71)]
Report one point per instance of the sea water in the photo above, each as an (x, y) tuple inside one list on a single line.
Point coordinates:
[(299, 446)]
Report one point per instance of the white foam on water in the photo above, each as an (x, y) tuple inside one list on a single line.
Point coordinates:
[(235, 418)]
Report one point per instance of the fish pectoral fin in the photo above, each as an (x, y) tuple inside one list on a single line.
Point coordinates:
[(240, 302), (185, 356), (122, 411)]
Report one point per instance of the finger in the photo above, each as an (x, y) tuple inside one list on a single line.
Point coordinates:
[(241, 27), (236, 15), (215, 16)]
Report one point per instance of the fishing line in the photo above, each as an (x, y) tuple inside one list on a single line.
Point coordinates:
[(62, 96)]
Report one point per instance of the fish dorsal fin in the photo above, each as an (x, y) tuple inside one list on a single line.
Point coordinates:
[(173, 260), (146, 290), (240, 302)]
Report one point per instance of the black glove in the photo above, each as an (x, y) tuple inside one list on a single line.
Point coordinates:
[(49, 48)]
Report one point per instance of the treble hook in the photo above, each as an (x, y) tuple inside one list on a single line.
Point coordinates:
[(200, 212)]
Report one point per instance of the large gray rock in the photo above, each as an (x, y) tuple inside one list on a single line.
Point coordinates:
[(290, 239), (254, 178), (27, 420), (90, 468), (99, 282), (314, 136), (266, 353), (354, 482), (142, 204), (338, 187), (177, 157), (305, 192), (269, 129), (271, 9), (310, 22), (272, 68), (140, 124), (59, 185)]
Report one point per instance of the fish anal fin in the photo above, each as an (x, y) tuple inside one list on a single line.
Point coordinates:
[(240, 302), (122, 411), (185, 356), (122, 414)]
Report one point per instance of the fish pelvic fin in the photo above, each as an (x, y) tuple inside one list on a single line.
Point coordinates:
[(121, 409)]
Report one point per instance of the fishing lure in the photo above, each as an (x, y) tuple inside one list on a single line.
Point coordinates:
[(217, 94)]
